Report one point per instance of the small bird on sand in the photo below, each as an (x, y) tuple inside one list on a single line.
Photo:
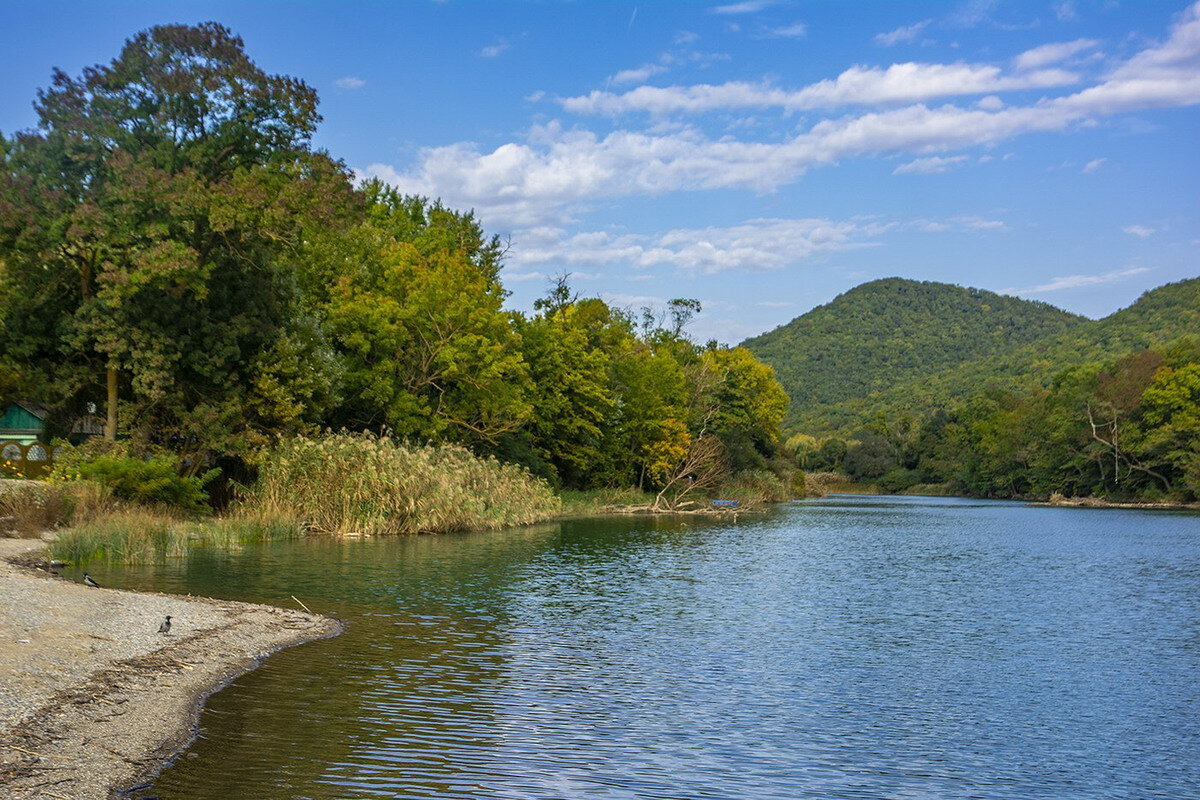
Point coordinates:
[(88, 580), (165, 628)]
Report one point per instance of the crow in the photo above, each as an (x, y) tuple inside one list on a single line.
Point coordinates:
[(165, 628), (88, 580)]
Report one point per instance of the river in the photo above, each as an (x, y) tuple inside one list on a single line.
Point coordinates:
[(847, 647)]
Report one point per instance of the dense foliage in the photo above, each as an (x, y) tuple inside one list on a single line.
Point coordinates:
[(175, 252)]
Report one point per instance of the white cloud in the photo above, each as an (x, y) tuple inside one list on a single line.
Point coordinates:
[(931, 165), (775, 303), (1077, 281), (686, 37), (1140, 231), (746, 7), (638, 74), (1093, 166), (349, 82), (797, 30), (1052, 53), (752, 246), (553, 171), (905, 33), (898, 83), (499, 47)]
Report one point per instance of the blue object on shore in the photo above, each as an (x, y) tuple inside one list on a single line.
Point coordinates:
[(725, 503)]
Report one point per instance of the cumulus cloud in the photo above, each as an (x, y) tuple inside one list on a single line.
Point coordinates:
[(350, 82), (905, 33), (549, 175), (899, 83), (752, 246), (1052, 53), (931, 165), (637, 74), (1140, 231), (1078, 281)]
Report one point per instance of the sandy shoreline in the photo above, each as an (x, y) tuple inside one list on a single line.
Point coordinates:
[(92, 699)]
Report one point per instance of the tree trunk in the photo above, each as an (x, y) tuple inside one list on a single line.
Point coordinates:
[(110, 428)]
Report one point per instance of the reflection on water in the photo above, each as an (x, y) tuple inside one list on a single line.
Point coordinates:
[(845, 647)]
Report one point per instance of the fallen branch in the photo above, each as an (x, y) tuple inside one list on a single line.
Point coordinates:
[(23, 750)]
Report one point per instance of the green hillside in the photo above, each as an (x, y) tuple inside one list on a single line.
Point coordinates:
[(1158, 317), (894, 332)]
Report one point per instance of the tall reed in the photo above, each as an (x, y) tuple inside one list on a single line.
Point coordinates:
[(133, 535), (360, 483)]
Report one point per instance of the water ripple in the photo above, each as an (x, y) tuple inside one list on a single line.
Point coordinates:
[(842, 648)]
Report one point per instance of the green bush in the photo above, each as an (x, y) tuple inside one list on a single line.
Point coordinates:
[(154, 481), (898, 479)]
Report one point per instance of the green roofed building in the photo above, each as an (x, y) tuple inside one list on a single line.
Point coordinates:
[(22, 422)]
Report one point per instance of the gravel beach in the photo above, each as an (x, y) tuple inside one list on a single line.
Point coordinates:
[(92, 699)]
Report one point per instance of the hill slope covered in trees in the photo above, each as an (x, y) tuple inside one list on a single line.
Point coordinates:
[(1159, 317), (1100, 408), (894, 332)]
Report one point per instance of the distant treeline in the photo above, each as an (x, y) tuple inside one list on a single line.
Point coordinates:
[(1127, 429), (175, 253)]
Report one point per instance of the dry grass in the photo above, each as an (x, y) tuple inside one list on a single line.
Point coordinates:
[(754, 487), (600, 501), (359, 483), (819, 484), (30, 508)]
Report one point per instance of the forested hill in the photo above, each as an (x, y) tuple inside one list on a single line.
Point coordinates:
[(1158, 318), (890, 332)]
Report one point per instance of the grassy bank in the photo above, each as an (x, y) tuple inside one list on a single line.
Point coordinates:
[(144, 536), (335, 484)]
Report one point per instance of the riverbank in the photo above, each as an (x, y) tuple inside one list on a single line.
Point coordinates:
[(1099, 502), (95, 700)]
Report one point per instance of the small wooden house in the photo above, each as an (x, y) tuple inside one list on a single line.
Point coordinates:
[(23, 422)]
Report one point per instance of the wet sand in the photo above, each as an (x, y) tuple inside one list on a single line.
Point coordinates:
[(93, 700)]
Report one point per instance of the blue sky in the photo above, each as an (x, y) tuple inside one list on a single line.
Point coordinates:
[(760, 156)]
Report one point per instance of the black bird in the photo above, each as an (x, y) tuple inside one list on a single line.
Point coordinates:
[(88, 580), (165, 628)]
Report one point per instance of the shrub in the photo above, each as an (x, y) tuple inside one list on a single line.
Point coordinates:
[(28, 508), (360, 483), (153, 481), (898, 479)]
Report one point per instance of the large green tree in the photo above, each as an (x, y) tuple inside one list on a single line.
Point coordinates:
[(413, 304), (146, 227)]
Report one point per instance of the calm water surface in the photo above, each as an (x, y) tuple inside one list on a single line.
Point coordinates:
[(840, 648)]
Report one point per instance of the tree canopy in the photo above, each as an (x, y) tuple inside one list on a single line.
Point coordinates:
[(173, 248)]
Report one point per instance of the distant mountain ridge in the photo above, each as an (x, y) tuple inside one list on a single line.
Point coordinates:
[(901, 345)]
